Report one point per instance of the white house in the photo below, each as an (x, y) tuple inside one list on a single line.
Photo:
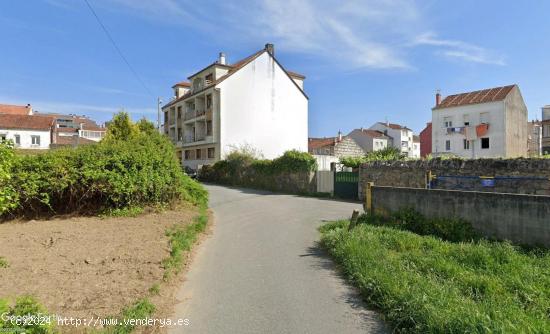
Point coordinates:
[(26, 131), (370, 140), (400, 137), (254, 101), (488, 123)]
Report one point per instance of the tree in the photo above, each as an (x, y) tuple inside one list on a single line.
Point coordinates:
[(147, 127), (121, 127)]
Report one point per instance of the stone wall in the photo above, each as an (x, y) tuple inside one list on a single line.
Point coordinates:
[(522, 219), (348, 148), (520, 176)]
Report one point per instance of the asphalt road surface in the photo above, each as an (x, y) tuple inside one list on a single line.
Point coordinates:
[(262, 271)]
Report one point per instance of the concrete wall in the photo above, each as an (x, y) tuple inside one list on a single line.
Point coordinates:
[(527, 176), (516, 124), (522, 219), (260, 105)]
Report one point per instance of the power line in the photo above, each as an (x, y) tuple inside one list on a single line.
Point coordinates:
[(117, 48)]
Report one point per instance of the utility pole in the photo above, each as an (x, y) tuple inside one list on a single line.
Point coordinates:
[(159, 102)]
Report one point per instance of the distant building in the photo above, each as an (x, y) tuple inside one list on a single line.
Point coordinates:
[(534, 138), (489, 123), (27, 131), (10, 109), (426, 140), (254, 101), (416, 146), (369, 140), (340, 146), (545, 126), (400, 137)]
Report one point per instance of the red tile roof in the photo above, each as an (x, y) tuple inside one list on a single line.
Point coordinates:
[(314, 143), (73, 140), (374, 133), (182, 84), (25, 122), (478, 96), (394, 126), (296, 75), (15, 110)]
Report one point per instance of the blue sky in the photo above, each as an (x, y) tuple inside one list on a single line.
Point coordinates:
[(365, 61)]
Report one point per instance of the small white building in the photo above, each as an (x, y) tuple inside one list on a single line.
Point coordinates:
[(489, 123), (26, 131), (400, 137), (254, 102), (370, 140)]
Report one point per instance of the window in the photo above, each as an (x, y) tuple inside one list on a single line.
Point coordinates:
[(17, 139), (210, 153), (198, 153), (208, 101), (466, 120), (484, 143), (180, 134), (404, 143), (209, 128), (179, 112), (166, 117), (466, 144), (187, 155), (447, 145), (209, 78), (447, 122), (35, 140), (484, 117), (2, 138)]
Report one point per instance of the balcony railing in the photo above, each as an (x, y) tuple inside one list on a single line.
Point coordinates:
[(201, 112), (189, 115)]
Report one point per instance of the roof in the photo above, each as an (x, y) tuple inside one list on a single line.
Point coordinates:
[(15, 110), (73, 140), (232, 69), (314, 143), (374, 133), (394, 126), (25, 122), (182, 84), (476, 97)]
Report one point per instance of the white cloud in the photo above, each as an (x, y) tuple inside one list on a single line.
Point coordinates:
[(352, 34), (459, 50)]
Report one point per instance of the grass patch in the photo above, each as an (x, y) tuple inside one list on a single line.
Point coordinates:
[(155, 289), (23, 307), (423, 284), (3, 262), (131, 316), (132, 211), (182, 239)]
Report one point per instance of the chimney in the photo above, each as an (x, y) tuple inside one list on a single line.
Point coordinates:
[(221, 58), (437, 98), (270, 48), (339, 135)]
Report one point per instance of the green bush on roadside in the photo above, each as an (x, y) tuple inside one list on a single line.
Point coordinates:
[(423, 284), (129, 168)]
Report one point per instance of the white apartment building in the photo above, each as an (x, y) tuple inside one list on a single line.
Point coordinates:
[(370, 140), (254, 102), (489, 123), (400, 137), (545, 127), (26, 131)]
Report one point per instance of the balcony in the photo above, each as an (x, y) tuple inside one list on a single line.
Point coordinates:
[(189, 115)]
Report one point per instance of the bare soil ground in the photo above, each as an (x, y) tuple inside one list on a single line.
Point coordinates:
[(89, 266)]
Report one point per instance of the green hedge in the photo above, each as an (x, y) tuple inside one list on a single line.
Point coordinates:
[(239, 166), (140, 170)]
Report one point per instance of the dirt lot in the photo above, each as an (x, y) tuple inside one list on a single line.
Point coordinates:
[(89, 266)]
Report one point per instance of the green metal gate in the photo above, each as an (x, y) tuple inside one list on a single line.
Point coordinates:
[(346, 185)]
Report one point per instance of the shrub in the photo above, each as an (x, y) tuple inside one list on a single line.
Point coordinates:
[(385, 154), (423, 284), (294, 161), (451, 229), (25, 307), (113, 174), (8, 195)]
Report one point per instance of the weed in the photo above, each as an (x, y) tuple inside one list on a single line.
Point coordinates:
[(155, 289), (3, 262)]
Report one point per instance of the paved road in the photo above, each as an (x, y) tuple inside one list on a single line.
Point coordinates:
[(262, 272)]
